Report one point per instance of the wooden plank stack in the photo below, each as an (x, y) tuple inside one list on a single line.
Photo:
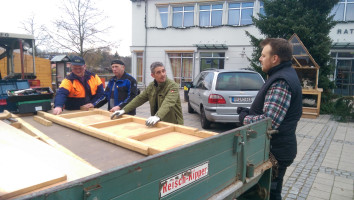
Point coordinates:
[(29, 164)]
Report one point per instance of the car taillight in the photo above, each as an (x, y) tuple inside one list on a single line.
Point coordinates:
[(3, 102), (216, 99)]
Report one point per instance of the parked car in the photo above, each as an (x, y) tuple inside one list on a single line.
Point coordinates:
[(215, 94)]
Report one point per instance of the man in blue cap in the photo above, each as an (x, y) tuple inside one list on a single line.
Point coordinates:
[(79, 88)]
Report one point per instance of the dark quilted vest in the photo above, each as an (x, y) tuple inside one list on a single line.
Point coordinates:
[(283, 144)]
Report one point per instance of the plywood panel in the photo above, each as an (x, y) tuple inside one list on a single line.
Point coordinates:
[(31, 164), (22, 172)]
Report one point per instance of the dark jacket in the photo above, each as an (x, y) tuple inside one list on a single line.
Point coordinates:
[(125, 89), (164, 101), (74, 93), (283, 144)]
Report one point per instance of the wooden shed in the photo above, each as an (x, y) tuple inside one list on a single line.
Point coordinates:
[(307, 70), (42, 68)]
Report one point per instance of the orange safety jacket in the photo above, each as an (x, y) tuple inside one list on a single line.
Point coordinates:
[(73, 93)]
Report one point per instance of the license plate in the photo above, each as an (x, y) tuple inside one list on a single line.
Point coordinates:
[(241, 99)]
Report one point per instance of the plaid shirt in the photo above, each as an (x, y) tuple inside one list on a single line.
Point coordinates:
[(276, 104)]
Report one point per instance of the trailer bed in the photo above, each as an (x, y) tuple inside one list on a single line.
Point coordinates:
[(223, 166), (100, 154)]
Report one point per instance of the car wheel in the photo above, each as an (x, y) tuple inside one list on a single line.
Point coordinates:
[(190, 109), (203, 120)]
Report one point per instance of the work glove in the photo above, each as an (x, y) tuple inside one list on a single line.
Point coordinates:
[(151, 121), (117, 113), (242, 113)]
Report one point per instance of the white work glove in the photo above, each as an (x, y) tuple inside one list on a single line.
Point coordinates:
[(117, 113), (151, 121)]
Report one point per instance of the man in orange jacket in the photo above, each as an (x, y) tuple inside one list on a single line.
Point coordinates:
[(79, 88)]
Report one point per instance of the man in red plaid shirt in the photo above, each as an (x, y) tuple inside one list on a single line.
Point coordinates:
[(280, 99)]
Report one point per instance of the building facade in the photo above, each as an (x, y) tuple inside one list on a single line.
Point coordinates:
[(342, 50), (190, 36)]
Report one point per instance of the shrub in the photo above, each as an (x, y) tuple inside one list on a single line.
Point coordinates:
[(344, 109)]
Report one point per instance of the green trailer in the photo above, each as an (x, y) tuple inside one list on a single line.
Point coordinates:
[(233, 164)]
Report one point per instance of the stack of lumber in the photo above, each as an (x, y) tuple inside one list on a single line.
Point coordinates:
[(29, 164)]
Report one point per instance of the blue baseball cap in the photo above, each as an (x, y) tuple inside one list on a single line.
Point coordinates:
[(77, 60)]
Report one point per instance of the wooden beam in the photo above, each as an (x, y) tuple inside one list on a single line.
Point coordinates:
[(205, 134), (104, 112), (43, 121), (77, 114), (60, 120), (147, 135), (154, 150), (185, 129), (112, 122), (6, 114), (115, 139), (16, 125)]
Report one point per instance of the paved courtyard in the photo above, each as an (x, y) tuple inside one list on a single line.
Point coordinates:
[(324, 166)]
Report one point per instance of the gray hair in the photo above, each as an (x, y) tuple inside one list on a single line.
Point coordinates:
[(154, 65)]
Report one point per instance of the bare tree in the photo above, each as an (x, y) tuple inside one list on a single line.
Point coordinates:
[(81, 28), (38, 31)]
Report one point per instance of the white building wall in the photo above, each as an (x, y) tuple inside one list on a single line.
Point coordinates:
[(155, 41), (343, 33), (138, 24), (159, 41)]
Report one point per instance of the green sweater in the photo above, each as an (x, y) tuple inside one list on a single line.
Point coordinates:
[(164, 101)]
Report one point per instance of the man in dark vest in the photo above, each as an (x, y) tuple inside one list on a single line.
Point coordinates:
[(280, 99)]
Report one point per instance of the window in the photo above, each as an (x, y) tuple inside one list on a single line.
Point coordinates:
[(164, 16), (212, 60), (210, 15), (236, 81), (208, 81), (183, 16), (182, 67), (261, 8), (344, 74), (196, 80), (139, 67), (343, 11), (204, 81), (240, 13)]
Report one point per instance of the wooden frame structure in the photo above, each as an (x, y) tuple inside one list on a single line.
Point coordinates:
[(129, 131), (307, 70)]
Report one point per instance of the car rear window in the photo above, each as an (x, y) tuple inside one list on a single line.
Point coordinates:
[(239, 81)]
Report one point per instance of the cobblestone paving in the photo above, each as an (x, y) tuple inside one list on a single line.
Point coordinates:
[(324, 166)]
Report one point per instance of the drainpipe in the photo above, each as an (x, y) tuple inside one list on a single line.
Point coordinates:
[(144, 68), (34, 58), (21, 54)]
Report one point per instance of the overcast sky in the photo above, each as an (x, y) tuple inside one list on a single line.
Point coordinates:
[(13, 12)]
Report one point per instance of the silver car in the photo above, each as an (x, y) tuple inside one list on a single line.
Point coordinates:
[(215, 94)]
